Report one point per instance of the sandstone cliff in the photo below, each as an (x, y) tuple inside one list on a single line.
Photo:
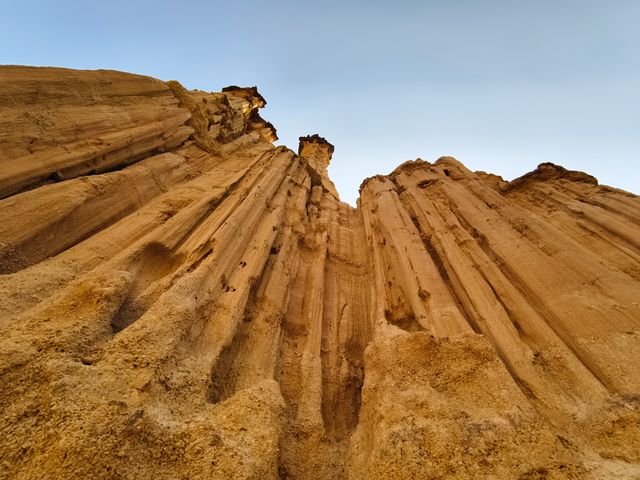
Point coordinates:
[(180, 298)]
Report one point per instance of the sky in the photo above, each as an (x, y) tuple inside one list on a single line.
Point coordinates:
[(502, 85)]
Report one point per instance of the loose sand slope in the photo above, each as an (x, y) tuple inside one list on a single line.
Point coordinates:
[(180, 299)]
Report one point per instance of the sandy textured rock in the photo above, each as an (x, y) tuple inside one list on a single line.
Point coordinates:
[(179, 298)]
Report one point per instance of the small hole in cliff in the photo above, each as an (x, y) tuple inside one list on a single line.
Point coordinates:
[(406, 322), (426, 183), (56, 176), (446, 172), (423, 294), (274, 251)]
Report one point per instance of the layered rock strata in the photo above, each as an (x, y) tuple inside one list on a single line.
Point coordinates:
[(180, 298)]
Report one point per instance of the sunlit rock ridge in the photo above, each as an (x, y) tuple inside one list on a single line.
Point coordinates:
[(181, 299)]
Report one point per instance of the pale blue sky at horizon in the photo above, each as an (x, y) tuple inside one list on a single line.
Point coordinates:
[(500, 85)]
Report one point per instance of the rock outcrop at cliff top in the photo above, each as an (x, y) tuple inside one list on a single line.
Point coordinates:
[(181, 299)]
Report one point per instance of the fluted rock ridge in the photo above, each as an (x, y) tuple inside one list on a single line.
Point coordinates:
[(180, 298)]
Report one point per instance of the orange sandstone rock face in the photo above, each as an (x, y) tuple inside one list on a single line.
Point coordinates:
[(180, 298)]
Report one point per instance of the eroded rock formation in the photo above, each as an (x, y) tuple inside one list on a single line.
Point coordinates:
[(182, 299)]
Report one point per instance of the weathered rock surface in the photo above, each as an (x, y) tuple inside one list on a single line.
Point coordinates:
[(180, 298)]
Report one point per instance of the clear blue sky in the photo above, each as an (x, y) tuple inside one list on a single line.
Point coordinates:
[(500, 85)]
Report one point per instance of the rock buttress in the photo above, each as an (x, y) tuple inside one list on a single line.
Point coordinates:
[(182, 299)]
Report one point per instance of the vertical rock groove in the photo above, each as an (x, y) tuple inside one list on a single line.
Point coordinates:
[(180, 298)]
